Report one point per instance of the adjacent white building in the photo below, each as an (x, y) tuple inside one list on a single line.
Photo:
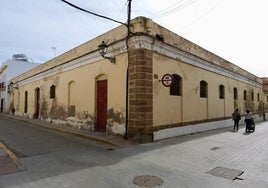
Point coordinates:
[(8, 70)]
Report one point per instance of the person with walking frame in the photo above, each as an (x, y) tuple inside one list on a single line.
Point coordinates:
[(248, 120)]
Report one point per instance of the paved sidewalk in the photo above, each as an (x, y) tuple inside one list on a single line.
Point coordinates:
[(114, 140), (221, 158)]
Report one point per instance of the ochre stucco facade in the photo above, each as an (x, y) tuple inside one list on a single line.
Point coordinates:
[(92, 93)]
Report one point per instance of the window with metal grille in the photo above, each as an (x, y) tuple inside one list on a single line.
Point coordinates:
[(221, 92), (252, 96), (176, 87), (203, 89), (245, 95), (235, 93), (52, 92)]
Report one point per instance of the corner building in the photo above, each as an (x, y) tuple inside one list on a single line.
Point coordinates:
[(81, 89)]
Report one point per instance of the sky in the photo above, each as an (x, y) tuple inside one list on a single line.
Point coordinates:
[(235, 30)]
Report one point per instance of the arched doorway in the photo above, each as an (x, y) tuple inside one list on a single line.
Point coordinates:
[(37, 103), (101, 105)]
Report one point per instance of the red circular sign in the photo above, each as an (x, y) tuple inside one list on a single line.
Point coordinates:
[(167, 80)]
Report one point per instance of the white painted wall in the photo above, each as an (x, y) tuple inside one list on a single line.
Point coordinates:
[(179, 131), (14, 68)]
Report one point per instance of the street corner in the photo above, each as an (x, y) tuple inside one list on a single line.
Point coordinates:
[(9, 163)]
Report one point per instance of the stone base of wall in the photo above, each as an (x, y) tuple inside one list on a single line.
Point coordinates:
[(143, 138), (189, 129), (140, 135)]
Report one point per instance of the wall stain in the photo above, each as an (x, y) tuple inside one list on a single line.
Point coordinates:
[(115, 120), (57, 112), (44, 109), (114, 117)]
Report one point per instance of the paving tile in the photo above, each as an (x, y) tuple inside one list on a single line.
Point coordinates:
[(7, 165)]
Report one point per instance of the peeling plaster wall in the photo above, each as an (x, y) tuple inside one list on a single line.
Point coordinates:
[(153, 52), (82, 96)]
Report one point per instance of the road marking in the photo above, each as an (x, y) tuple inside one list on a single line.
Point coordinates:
[(10, 154)]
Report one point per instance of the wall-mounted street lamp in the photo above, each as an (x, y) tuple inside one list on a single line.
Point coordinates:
[(103, 47), (12, 85)]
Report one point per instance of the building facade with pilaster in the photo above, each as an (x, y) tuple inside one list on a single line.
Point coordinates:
[(131, 97)]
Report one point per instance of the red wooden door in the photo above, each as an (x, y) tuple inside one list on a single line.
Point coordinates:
[(101, 106), (37, 103)]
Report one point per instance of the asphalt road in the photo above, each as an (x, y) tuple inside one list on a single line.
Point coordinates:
[(55, 160), (26, 140)]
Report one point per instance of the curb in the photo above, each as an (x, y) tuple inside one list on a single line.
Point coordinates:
[(10, 154)]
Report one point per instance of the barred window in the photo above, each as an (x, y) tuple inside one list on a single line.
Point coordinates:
[(176, 87), (203, 89), (52, 92), (235, 93), (245, 95), (252, 96), (221, 92)]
